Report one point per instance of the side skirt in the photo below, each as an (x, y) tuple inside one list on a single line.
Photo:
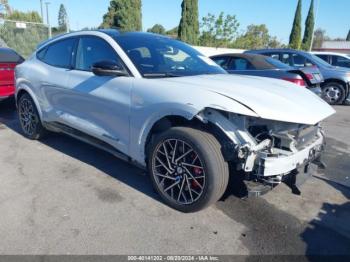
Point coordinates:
[(93, 141)]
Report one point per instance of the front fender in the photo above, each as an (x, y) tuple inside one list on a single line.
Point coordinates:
[(140, 133)]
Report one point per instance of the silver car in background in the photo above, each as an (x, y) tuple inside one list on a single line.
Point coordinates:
[(160, 104), (336, 87)]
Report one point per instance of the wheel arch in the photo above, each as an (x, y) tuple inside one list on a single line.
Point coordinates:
[(168, 121), (339, 81), (23, 89), (331, 80)]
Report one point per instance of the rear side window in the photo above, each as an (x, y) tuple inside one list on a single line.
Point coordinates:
[(222, 61), (240, 64), (274, 55), (58, 54), (286, 59), (324, 57), (301, 61), (92, 50), (340, 61)]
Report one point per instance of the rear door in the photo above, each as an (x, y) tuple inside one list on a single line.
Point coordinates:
[(57, 62), (340, 61)]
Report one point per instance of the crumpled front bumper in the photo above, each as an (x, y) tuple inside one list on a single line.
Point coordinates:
[(277, 166)]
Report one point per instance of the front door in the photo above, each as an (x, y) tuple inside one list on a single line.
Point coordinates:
[(98, 105)]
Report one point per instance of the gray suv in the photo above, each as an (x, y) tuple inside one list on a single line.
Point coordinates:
[(336, 86)]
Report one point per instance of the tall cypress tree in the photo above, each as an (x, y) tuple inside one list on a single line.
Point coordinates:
[(295, 36), (126, 15), (309, 28), (62, 18), (189, 24), (348, 36)]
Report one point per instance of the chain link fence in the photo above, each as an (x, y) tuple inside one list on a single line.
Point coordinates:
[(23, 37)]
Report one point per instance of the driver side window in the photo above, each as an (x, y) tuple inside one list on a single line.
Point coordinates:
[(92, 50)]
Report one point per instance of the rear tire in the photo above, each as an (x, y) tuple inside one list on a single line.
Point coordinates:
[(29, 118), (334, 93), (187, 168)]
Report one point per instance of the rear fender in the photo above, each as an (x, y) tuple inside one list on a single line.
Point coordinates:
[(23, 86)]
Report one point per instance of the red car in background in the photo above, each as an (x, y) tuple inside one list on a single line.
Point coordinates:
[(9, 59)]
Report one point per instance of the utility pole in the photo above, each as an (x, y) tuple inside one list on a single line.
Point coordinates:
[(48, 19), (313, 33), (67, 24), (42, 10)]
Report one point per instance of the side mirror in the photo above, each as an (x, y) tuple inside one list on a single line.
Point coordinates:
[(109, 68)]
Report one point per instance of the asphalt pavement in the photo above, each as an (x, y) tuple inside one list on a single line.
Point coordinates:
[(61, 196)]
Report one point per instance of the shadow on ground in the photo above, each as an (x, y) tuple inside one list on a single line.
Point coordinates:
[(330, 216), (105, 162)]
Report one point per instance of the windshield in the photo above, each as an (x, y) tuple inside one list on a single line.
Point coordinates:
[(157, 56)]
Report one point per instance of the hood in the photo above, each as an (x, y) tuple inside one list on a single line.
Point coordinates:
[(268, 98)]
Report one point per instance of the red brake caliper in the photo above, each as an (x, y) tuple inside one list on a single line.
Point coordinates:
[(197, 172)]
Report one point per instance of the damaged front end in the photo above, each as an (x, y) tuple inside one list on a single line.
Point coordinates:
[(269, 152)]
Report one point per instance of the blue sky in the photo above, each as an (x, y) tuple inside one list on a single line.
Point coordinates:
[(333, 15)]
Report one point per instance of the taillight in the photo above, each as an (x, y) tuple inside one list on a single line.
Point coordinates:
[(299, 82), (6, 67), (310, 76)]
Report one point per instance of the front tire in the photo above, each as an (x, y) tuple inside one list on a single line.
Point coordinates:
[(187, 168), (334, 93), (29, 118)]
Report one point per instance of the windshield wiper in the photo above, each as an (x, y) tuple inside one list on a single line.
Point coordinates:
[(160, 75)]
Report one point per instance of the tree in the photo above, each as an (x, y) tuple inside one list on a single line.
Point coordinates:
[(189, 24), (256, 37), (218, 31), (31, 16), (125, 15), (62, 19), (173, 32), (319, 37), (157, 29), (348, 36), (295, 36), (309, 28), (23, 39), (275, 43), (4, 8)]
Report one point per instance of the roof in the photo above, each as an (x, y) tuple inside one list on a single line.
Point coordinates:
[(279, 50), (114, 33), (336, 45)]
